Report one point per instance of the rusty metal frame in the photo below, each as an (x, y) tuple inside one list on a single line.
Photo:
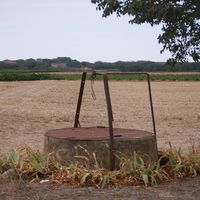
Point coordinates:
[(78, 109), (110, 121), (109, 106)]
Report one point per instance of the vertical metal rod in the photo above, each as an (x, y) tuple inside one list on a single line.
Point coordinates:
[(110, 121), (151, 104), (76, 122)]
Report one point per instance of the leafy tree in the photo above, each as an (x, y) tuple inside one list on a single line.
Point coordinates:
[(180, 21)]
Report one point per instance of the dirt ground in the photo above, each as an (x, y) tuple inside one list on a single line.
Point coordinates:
[(187, 189), (29, 109)]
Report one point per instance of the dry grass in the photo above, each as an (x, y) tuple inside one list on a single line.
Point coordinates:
[(29, 109), (30, 164)]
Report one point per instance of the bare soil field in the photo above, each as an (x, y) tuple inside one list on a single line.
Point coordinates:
[(29, 109), (187, 189)]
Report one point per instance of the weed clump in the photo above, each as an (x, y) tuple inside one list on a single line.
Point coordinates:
[(172, 164)]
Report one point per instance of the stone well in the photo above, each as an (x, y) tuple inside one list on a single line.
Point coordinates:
[(101, 144), (68, 143)]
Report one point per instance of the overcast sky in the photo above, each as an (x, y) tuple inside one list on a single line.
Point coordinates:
[(72, 28)]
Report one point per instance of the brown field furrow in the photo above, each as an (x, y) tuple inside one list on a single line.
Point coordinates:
[(29, 109)]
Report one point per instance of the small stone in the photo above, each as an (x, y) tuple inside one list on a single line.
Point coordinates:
[(10, 174), (44, 181)]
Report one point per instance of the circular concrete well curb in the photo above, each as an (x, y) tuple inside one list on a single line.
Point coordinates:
[(72, 144)]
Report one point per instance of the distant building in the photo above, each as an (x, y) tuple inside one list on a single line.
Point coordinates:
[(10, 62), (58, 65), (68, 68), (87, 69)]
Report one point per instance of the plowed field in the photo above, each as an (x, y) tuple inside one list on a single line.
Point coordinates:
[(29, 109)]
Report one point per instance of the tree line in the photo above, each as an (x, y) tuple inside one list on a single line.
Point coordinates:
[(75, 65)]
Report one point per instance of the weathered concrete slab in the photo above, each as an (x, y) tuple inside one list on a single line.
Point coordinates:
[(71, 142)]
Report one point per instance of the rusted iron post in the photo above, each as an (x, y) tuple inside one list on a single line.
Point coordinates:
[(76, 122), (110, 121), (151, 103)]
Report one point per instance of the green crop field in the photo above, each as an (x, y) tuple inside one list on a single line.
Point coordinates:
[(30, 76)]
